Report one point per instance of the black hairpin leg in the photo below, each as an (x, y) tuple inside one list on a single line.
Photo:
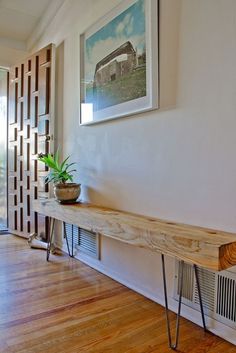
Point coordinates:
[(175, 344), (72, 244), (71, 254), (200, 296), (52, 224)]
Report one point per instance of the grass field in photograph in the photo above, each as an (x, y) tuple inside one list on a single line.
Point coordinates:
[(123, 89)]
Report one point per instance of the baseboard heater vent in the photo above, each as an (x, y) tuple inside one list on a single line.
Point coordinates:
[(218, 293), (83, 240)]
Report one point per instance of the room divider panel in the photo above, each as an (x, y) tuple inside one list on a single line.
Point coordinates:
[(31, 131), (3, 148)]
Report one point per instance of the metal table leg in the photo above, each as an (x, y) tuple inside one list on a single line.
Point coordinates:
[(175, 344), (67, 243), (176, 341), (72, 244), (52, 224), (200, 296)]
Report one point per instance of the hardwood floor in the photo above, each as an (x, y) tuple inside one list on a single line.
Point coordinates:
[(65, 306)]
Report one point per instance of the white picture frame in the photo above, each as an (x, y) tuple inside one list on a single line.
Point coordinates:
[(119, 63)]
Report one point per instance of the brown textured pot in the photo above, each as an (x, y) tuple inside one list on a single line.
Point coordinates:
[(67, 193)]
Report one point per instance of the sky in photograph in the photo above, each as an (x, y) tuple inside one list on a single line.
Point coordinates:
[(129, 25)]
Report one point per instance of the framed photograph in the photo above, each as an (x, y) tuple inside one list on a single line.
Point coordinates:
[(119, 63)]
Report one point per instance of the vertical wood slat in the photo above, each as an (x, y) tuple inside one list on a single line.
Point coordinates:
[(31, 130)]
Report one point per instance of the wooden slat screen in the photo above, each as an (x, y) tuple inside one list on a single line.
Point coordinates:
[(31, 130)]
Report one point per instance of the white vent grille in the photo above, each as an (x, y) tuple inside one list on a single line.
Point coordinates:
[(69, 232), (82, 240), (207, 285), (88, 242), (188, 278), (226, 299), (218, 291)]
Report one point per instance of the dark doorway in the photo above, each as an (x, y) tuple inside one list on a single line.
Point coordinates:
[(113, 77)]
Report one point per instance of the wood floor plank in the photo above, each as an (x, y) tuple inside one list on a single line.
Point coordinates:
[(65, 306)]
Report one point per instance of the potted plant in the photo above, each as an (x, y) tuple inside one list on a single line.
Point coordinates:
[(60, 174)]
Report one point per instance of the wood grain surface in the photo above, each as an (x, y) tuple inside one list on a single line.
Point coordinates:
[(208, 248), (65, 306)]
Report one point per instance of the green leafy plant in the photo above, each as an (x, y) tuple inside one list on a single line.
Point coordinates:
[(59, 172)]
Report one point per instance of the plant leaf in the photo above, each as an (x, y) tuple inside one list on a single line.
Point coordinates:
[(64, 162)]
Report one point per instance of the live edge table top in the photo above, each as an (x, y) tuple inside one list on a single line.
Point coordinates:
[(204, 247)]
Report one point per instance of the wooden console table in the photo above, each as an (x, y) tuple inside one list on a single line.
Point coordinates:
[(208, 248)]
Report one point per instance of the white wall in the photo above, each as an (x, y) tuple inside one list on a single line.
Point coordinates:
[(177, 163)]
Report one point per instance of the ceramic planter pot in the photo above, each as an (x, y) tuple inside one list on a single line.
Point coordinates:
[(67, 193)]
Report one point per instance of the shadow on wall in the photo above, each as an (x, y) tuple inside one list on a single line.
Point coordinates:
[(107, 195), (98, 198), (59, 109), (169, 52)]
